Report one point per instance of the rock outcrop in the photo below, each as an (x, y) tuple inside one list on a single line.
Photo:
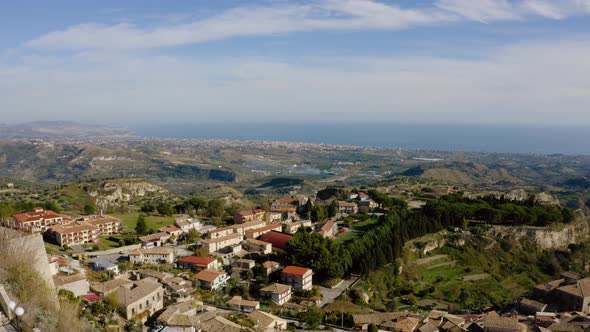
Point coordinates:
[(548, 237), (113, 193)]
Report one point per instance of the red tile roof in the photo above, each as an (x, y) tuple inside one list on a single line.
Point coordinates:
[(268, 264), (33, 216), (197, 260), (286, 201), (208, 275), (91, 297), (295, 270), (277, 239)]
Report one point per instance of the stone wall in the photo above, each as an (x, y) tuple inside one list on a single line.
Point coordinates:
[(32, 249)]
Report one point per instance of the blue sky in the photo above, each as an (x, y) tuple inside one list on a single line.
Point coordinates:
[(501, 62)]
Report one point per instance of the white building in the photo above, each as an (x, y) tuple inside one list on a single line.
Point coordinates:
[(155, 255)]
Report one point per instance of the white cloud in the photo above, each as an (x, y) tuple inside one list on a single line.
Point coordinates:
[(481, 10), (548, 9), (241, 21), (286, 18), (540, 83)]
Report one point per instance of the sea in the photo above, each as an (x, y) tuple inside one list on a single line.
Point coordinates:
[(472, 138)]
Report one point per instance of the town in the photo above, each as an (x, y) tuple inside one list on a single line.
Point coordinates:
[(193, 275)]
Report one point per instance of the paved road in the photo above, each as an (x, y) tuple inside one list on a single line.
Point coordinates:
[(330, 294)]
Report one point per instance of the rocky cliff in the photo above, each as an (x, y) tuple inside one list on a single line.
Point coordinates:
[(549, 237), (113, 193), (519, 195)]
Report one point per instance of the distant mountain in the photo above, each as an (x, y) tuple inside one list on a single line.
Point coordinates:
[(58, 129)]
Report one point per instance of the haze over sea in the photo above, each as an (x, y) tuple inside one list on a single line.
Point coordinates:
[(475, 138)]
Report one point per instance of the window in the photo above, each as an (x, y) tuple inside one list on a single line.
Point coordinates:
[(140, 306)]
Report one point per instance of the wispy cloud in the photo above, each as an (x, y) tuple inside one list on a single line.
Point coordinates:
[(287, 18), (533, 83)]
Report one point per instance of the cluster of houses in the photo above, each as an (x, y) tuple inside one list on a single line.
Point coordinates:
[(437, 320), (560, 305), (143, 292), (567, 311), (65, 230)]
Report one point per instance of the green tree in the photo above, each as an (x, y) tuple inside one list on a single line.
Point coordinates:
[(165, 209), (307, 208), (322, 255), (333, 209), (215, 208), (53, 206), (312, 317), (192, 236), (89, 209), (318, 213), (373, 328), (197, 203), (141, 226)]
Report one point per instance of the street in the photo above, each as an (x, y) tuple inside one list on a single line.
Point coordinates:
[(330, 294)]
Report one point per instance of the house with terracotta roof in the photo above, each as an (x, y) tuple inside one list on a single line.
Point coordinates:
[(149, 273), (257, 232), (575, 296), (154, 240), (277, 239), (244, 216), (257, 246), (156, 255), (273, 217), (221, 232), (530, 307), (329, 229), (177, 289), (105, 288), (171, 230), (189, 317), (405, 324), (264, 321), (298, 277), (77, 232), (362, 321), (238, 303), (213, 280), (76, 283), (219, 243), (141, 298), (278, 293), (197, 263), (105, 225), (38, 220), (287, 206), (242, 228), (292, 228), (270, 266), (493, 322), (186, 224), (347, 207)]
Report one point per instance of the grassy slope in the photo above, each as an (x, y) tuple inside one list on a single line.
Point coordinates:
[(512, 273), (129, 220)]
